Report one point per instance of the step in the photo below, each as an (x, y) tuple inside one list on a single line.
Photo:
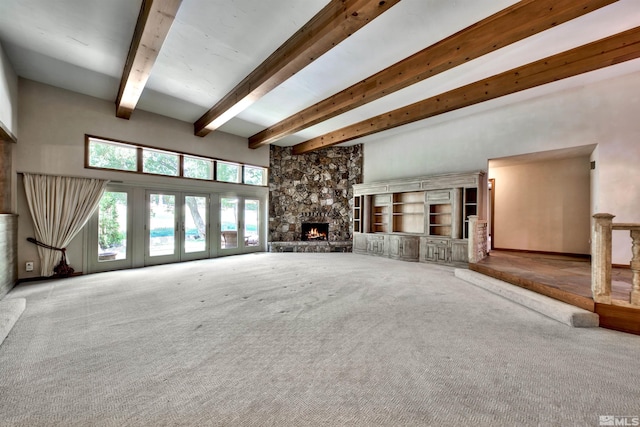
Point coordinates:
[(557, 310)]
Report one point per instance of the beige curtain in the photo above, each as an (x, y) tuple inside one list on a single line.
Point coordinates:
[(60, 206)]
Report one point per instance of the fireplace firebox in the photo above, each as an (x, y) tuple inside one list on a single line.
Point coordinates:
[(315, 231)]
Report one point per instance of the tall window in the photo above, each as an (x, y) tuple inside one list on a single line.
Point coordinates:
[(251, 222), (229, 222), (112, 226)]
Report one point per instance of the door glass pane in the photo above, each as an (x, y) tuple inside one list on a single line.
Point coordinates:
[(162, 220), (251, 232), (228, 223), (112, 226), (195, 226)]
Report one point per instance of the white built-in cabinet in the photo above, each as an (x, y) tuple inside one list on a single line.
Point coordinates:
[(421, 219)]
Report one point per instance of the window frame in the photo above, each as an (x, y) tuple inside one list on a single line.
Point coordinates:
[(181, 155)]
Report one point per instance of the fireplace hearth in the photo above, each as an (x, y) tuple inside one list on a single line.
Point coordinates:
[(315, 231)]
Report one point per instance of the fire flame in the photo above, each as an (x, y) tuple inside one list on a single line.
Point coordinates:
[(314, 234)]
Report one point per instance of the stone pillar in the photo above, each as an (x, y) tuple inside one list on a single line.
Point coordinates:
[(601, 258), (477, 249), (634, 297)]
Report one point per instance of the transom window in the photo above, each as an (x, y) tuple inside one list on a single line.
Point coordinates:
[(160, 162), (228, 172), (103, 153)]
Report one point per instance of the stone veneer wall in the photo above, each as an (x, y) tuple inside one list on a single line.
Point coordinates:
[(8, 223), (312, 187), (9, 251)]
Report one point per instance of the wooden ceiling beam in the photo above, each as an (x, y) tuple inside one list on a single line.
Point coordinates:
[(609, 51), (508, 26), (154, 21), (334, 23)]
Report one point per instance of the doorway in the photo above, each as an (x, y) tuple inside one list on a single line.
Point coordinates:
[(540, 202)]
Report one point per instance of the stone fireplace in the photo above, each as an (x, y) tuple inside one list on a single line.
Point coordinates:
[(312, 188)]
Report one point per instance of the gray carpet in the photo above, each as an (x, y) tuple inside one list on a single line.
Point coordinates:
[(302, 340), (10, 311)]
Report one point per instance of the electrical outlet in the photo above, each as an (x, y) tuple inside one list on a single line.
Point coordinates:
[(29, 266)]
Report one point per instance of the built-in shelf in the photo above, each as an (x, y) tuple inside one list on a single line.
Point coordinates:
[(421, 219), (408, 212), (470, 207), (357, 214)]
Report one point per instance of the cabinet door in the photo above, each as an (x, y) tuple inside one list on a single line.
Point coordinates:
[(431, 253), (404, 247), (360, 243), (459, 251), (443, 253), (410, 248), (375, 245), (395, 246), (435, 250)]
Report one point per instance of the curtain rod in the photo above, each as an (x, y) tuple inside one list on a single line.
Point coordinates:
[(64, 176)]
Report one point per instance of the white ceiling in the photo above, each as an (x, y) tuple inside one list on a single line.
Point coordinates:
[(82, 45)]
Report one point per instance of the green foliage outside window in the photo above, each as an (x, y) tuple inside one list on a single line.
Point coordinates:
[(198, 168), (109, 234), (112, 156), (254, 176), (121, 156), (228, 172), (160, 163)]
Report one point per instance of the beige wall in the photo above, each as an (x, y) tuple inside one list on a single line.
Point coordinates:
[(53, 123), (604, 113), (543, 206)]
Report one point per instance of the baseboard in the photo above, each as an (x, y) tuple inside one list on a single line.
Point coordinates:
[(627, 266), (527, 251), (42, 278)]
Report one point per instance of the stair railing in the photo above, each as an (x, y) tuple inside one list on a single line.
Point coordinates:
[(601, 244)]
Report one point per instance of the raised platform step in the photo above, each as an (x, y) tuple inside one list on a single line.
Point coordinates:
[(557, 310), (536, 285), (619, 318)]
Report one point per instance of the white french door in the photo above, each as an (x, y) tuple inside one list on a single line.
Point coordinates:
[(239, 225), (110, 246), (196, 232), (137, 226), (177, 227)]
